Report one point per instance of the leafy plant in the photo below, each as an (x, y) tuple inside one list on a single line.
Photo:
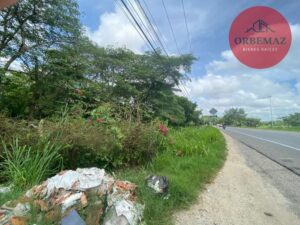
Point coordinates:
[(25, 166)]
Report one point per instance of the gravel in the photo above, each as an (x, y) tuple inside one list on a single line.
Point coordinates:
[(245, 192)]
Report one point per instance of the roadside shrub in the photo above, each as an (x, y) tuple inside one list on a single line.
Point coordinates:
[(26, 131), (25, 166), (141, 143), (92, 142), (93, 138), (190, 141), (86, 142)]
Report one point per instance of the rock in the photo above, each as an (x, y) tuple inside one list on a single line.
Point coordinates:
[(158, 183)]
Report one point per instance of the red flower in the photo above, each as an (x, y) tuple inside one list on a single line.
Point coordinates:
[(163, 129)]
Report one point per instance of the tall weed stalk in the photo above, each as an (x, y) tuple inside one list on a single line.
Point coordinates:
[(25, 166)]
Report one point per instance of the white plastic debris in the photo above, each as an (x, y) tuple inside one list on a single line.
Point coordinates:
[(159, 184), (5, 190), (70, 201), (124, 213), (21, 209), (116, 199), (80, 180)]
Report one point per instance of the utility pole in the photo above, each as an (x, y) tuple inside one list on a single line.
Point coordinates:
[(271, 110)]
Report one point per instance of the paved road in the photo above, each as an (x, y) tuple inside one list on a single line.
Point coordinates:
[(280, 146), (275, 155)]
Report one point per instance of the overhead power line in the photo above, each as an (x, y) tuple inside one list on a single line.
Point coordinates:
[(142, 22), (170, 24), (132, 22), (155, 24), (138, 25), (175, 40), (161, 41), (186, 25)]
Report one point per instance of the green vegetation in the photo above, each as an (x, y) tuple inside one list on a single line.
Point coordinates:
[(202, 153), (60, 66), (25, 167), (288, 123), (238, 117), (283, 128), (71, 103)]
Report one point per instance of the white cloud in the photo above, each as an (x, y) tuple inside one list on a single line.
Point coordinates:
[(16, 65), (116, 30), (228, 83)]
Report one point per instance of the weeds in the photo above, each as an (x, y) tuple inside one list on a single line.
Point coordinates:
[(204, 154), (24, 166)]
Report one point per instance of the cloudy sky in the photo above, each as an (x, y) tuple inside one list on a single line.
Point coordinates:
[(217, 79)]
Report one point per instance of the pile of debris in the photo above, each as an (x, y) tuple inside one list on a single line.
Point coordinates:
[(85, 196)]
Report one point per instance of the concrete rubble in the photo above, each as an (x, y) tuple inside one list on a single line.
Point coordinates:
[(85, 196)]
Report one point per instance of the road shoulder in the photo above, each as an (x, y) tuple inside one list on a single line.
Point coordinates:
[(239, 195)]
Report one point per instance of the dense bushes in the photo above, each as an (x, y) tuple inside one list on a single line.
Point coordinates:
[(292, 120), (79, 139)]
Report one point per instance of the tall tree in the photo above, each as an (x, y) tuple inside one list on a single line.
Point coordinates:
[(30, 27), (234, 116), (292, 119)]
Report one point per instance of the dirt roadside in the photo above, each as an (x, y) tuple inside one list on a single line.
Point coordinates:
[(238, 196)]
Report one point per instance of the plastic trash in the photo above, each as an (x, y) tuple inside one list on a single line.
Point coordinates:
[(80, 180), (91, 191), (72, 219), (5, 190), (71, 200), (159, 184), (21, 209), (124, 213)]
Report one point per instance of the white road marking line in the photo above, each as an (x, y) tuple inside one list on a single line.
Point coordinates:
[(274, 142)]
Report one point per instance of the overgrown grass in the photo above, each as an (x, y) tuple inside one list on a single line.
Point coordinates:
[(202, 155), (188, 157), (24, 166)]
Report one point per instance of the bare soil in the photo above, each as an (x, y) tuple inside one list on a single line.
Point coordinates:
[(238, 196)]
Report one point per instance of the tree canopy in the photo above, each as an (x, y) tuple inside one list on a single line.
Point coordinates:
[(61, 66)]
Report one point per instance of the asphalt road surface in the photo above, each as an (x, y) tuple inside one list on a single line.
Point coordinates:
[(275, 155)]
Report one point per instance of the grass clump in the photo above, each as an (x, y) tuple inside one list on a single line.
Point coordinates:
[(25, 166), (203, 155)]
